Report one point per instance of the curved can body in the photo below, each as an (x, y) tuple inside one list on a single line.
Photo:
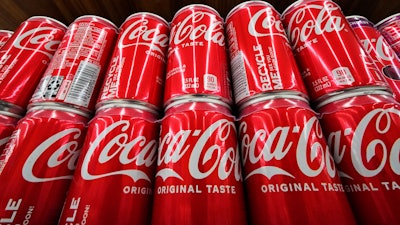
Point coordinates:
[(328, 52), (197, 57), (25, 56), (363, 135), (286, 162), (4, 36), (198, 178), (137, 68), (37, 166), (75, 74), (261, 57), (117, 162), (390, 29)]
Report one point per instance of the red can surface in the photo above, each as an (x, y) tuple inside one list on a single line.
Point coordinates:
[(380, 51), (37, 166), (363, 135), (8, 121), (4, 36), (25, 56), (328, 52), (137, 68), (286, 161), (198, 179), (197, 58), (390, 29), (75, 74), (118, 163), (261, 58)]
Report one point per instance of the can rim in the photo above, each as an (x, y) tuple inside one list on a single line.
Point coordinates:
[(48, 18), (291, 7), (125, 104), (246, 3), (10, 114), (350, 94), (357, 18), (200, 99), (161, 19), (194, 5), (11, 108), (99, 18), (386, 20), (7, 31), (57, 106), (271, 96)]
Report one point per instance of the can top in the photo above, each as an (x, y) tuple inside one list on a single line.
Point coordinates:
[(352, 93), (388, 20), (6, 31), (147, 14), (197, 5), (295, 4), (125, 104), (98, 18), (246, 4), (197, 99), (356, 20), (59, 107), (11, 109), (273, 96), (47, 18)]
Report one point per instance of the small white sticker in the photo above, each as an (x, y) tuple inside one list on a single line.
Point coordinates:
[(210, 82), (343, 76)]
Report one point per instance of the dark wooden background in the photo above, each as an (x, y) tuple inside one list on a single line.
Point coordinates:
[(13, 12)]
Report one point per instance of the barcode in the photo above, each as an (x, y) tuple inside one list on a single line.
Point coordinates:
[(82, 86), (239, 77)]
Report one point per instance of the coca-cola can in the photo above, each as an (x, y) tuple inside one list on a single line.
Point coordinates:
[(4, 36), (197, 57), (379, 50), (137, 68), (8, 121), (286, 160), (37, 165), (390, 29), (328, 52), (198, 179), (75, 74), (261, 57), (25, 56), (118, 163), (363, 134)]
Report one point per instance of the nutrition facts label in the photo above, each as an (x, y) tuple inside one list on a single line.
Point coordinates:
[(239, 78)]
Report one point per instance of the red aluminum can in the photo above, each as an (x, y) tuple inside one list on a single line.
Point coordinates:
[(75, 74), (390, 29), (286, 161), (118, 163), (328, 52), (380, 51), (261, 58), (198, 179), (25, 56), (4, 36), (137, 69), (363, 134), (8, 121), (197, 58), (37, 165)]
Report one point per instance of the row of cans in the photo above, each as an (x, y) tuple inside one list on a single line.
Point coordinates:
[(197, 168)]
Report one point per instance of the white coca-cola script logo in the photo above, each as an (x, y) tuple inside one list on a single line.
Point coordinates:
[(66, 153), (191, 28), (41, 36), (378, 47), (224, 160), (264, 23), (325, 21), (138, 33), (276, 146), (121, 145), (382, 120)]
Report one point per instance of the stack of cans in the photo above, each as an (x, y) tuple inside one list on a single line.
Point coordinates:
[(114, 180), (39, 159), (285, 156), (198, 177), (358, 113)]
